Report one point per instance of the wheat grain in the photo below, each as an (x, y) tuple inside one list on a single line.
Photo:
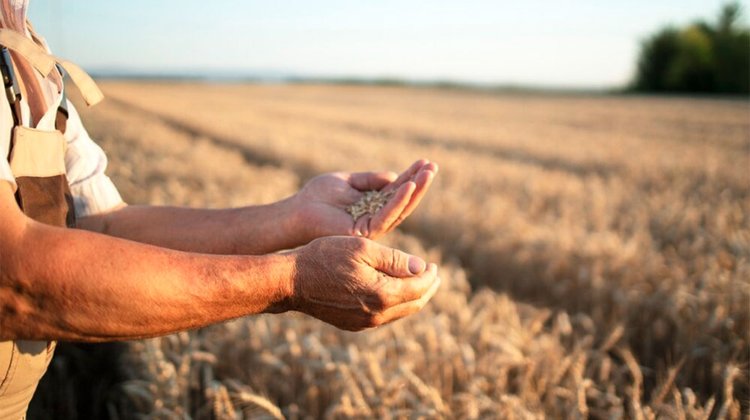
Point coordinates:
[(370, 203)]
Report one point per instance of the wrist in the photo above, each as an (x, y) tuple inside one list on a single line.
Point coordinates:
[(275, 226), (283, 272), (286, 264), (299, 228)]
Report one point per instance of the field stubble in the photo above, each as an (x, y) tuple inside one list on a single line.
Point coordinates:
[(594, 251)]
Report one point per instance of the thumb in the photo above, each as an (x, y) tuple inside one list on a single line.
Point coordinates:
[(395, 263)]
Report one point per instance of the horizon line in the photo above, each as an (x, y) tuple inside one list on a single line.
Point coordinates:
[(275, 76)]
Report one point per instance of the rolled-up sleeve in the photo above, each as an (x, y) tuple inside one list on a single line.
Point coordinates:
[(85, 162), (6, 174)]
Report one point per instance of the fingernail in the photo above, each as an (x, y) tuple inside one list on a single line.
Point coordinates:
[(416, 265)]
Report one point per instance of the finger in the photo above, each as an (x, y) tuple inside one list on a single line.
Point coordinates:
[(388, 215), (365, 181), (362, 226), (393, 262), (405, 309), (409, 289), (423, 181), (406, 175)]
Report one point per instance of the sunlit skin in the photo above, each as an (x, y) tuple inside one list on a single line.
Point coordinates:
[(324, 199), (142, 271)]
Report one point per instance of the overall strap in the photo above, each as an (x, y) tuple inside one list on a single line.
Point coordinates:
[(33, 53), (13, 95), (44, 62), (42, 190), (10, 84), (61, 118)]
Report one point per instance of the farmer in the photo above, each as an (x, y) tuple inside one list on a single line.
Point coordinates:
[(76, 263)]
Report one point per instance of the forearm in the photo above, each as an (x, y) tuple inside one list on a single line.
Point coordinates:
[(74, 285), (252, 230)]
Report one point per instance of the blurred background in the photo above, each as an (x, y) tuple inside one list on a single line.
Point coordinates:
[(674, 45), (591, 217)]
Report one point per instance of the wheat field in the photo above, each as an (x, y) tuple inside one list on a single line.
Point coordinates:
[(594, 252)]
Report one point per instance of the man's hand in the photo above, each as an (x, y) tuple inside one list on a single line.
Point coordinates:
[(318, 210), (354, 283), (322, 202)]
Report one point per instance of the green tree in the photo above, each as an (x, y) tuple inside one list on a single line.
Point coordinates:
[(732, 52), (698, 58)]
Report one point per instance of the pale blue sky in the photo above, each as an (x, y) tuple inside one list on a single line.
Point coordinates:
[(582, 43)]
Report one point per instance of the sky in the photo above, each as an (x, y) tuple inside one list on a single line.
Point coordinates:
[(567, 44)]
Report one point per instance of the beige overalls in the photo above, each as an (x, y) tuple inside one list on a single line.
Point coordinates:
[(37, 160)]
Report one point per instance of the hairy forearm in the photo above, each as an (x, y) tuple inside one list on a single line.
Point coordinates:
[(250, 230), (75, 285)]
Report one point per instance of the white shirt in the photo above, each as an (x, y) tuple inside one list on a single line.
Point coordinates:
[(85, 162)]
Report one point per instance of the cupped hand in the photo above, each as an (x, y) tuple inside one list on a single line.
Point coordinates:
[(323, 200), (354, 283)]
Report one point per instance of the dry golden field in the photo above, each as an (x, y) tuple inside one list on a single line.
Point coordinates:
[(594, 251)]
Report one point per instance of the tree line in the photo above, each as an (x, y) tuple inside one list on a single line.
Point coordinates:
[(703, 57)]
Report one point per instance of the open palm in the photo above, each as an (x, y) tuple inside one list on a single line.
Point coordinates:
[(324, 199)]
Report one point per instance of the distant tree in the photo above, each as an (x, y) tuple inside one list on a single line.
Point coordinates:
[(698, 58), (732, 52), (657, 56)]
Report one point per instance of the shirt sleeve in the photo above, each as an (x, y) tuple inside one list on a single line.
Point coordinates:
[(6, 124), (85, 163)]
